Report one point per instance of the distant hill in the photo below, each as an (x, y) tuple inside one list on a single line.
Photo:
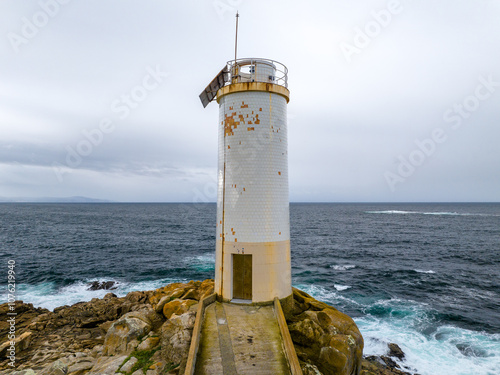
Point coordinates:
[(76, 199)]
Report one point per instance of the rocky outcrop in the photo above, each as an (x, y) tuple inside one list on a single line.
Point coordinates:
[(326, 340), (106, 335), (104, 285), (149, 333), (385, 364)]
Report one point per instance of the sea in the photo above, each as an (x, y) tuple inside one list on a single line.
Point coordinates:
[(425, 276)]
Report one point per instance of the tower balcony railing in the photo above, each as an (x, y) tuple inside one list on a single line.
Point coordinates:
[(257, 70)]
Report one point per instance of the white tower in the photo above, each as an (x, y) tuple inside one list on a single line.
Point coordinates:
[(253, 225)]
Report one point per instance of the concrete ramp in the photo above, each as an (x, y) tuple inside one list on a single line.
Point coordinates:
[(240, 339)]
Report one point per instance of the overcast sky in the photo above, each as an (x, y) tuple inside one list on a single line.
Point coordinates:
[(390, 100)]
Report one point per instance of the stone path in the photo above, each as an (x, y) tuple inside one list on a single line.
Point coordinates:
[(240, 339)]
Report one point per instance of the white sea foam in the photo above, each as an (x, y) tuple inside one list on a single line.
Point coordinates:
[(344, 267), (342, 287), (326, 295), (204, 258), (391, 212), (398, 212), (449, 351), (422, 271), (204, 262)]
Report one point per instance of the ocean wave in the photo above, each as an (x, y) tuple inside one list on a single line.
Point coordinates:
[(398, 212), (204, 262), (448, 350), (422, 271), (342, 287), (344, 267), (327, 295)]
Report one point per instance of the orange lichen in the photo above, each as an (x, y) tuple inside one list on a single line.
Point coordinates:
[(250, 129), (230, 124)]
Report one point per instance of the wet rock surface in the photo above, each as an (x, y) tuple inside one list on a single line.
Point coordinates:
[(102, 285)]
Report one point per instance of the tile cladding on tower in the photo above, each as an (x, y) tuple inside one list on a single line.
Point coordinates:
[(253, 225)]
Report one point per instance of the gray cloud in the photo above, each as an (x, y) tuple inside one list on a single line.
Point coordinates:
[(350, 122)]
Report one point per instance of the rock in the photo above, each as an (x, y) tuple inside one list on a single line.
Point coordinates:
[(191, 294), (308, 369), (306, 332), (99, 285), (106, 326), (176, 338), (333, 361), (107, 365), (148, 316), (122, 332), (97, 351), (23, 372), (81, 366), (177, 307), (374, 365), (193, 290), (127, 367), (20, 342), (395, 351), (159, 306), (137, 297), (110, 296), (149, 343), (206, 288), (57, 368), (324, 337)]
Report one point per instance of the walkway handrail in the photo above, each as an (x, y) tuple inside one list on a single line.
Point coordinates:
[(290, 352), (195, 338)]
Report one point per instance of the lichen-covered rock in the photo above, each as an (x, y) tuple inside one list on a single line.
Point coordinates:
[(107, 365), (127, 366), (81, 366), (176, 338), (149, 343), (177, 307), (324, 337), (57, 368), (194, 290), (123, 332)]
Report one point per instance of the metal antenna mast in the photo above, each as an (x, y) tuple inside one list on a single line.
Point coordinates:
[(236, 39)]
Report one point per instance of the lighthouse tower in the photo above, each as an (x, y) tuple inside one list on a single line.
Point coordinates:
[(253, 225)]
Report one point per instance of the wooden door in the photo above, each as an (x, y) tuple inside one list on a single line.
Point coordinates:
[(242, 276)]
